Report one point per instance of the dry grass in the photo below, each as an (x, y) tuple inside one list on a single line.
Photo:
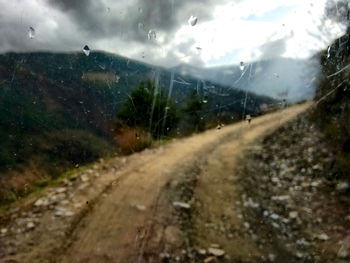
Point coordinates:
[(133, 139), (20, 182)]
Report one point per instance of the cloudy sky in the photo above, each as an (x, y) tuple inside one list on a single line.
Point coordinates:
[(226, 32)]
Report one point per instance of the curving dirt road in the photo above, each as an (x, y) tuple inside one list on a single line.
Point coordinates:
[(131, 215)]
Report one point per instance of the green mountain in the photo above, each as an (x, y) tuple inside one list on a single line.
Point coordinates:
[(58, 110)]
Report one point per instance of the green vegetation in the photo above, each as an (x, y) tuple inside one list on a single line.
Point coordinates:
[(148, 108), (194, 113), (58, 111)]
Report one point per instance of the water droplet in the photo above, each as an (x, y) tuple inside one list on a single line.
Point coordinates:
[(86, 50), (108, 9), (152, 35), (276, 75), (140, 10), (205, 101), (31, 32), (141, 26), (329, 52), (241, 66), (192, 21)]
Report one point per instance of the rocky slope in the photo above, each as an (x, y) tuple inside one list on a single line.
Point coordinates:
[(290, 208)]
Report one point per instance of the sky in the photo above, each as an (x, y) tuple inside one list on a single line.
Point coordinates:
[(226, 32)]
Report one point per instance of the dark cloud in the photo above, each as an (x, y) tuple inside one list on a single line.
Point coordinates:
[(92, 17)]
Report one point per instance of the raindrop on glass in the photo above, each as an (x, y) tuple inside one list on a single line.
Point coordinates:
[(192, 21), (141, 26), (140, 10), (241, 66), (86, 50), (31, 32), (108, 9), (329, 52), (205, 101), (152, 35)]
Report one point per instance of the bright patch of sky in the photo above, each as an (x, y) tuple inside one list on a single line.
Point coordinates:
[(238, 31)]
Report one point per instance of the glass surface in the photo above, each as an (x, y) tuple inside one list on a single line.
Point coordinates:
[(174, 131)]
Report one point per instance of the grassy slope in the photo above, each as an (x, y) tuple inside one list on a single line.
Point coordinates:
[(53, 117)]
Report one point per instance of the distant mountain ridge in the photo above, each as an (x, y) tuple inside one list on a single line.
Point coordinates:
[(280, 78)]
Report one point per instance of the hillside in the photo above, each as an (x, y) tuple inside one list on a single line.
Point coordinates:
[(58, 111), (332, 111)]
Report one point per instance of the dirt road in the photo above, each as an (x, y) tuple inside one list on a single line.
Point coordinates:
[(158, 205)]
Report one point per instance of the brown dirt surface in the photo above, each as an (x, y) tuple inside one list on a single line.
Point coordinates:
[(123, 209)]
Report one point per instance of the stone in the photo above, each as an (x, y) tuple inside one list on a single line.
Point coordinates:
[(342, 186), (209, 259), (84, 178), (293, 214), (83, 186), (182, 205), (215, 245), (202, 251), (344, 251), (30, 225), (216, 252), (323, 237), (271, 257), (275, 225), (140, 207), (61, 190), (41, 202), (274, 216), (60, 211), (164, 255), (68, 213), (280, 198)]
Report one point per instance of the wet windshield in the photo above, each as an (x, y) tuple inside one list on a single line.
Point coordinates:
[(174, 131)]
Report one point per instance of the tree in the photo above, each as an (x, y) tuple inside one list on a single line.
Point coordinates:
[(194, 112), (148, 108)]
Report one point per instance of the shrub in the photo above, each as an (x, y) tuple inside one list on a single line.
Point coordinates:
[(133, 139)]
